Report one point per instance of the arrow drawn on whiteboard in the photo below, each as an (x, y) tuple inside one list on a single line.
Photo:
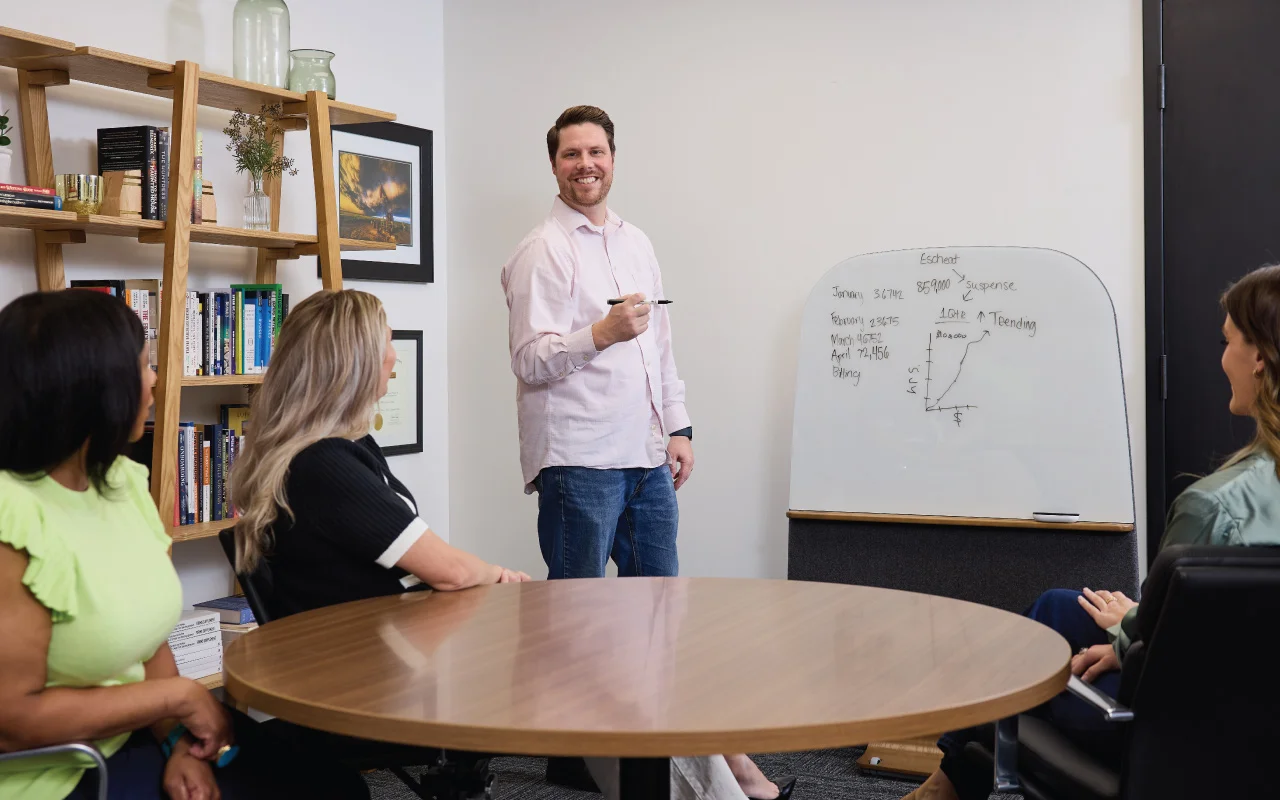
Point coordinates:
[(965, 297), (958, 275)]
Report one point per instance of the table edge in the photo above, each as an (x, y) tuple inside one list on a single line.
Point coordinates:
[(642, 744)]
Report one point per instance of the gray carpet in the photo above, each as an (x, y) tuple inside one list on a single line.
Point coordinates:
[(823, 775)]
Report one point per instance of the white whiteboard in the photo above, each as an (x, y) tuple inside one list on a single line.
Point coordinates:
[(962, 381)]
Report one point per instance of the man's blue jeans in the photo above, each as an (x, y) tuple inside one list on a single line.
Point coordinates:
[(587, 516)]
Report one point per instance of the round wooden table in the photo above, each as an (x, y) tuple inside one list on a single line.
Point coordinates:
[(648, 668)]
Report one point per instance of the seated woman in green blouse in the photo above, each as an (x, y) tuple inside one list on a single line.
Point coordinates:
[(1237, 505), (88, 595)]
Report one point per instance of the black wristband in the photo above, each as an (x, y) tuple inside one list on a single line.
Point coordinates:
[(685, 432)]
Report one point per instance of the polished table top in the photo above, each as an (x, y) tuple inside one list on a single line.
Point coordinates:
[(648, 666)]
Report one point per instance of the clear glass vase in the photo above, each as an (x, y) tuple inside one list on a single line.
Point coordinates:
[(310, 72), (260, 42), (257, 206)]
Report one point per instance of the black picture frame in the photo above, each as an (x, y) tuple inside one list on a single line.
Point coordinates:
[(416, 445), (423, 269)]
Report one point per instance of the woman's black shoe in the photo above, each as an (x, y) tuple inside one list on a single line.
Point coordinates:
[(785, 785)]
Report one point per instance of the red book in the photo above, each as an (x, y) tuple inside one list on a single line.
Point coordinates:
[(9, 187)]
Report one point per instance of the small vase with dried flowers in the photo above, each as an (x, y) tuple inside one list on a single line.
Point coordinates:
[(253, 146)]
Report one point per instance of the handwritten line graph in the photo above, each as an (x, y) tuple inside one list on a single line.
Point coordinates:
[(936, 405)]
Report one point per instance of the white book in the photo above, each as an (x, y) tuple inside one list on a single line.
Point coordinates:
[(201, 669), (195, 645), (203, 654), (193, 618), (177, 637), (250, 337)]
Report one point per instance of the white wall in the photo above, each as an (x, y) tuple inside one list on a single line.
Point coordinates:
[(759, 145), (396, 67)]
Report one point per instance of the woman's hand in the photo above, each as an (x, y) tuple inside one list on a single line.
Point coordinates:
[(513, 576), (1106, 608), (1090, 663), (188, 778), (208, 722)]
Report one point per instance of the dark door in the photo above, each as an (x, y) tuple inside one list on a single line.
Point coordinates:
[(1221, 219)]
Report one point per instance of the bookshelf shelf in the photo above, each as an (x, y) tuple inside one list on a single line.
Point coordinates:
[(101, 67), (150, 231), (222, 380), (201, 530), (20, 44), (211, 682)]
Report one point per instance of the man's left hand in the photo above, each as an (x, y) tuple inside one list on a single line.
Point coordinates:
[(680, 459)]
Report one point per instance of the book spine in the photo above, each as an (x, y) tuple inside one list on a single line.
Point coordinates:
[(250, 334), (239, 309), (15, 189), (207, 320), (191, 474), (27, 200), (206, 479), (180, 512), (151, 177), (197, 186), (162, 159), (219, 469)]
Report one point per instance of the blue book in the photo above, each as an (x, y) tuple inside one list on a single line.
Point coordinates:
[(234, 609)]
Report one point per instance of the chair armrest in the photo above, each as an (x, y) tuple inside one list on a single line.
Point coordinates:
[(74, 747), (1111, 710)]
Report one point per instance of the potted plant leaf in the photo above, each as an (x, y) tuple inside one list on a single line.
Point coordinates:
[(252, 144), (6, 152)]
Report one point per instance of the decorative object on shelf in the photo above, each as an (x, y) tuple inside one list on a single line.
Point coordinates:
[(122, 193), (208, 205), (310, 72), (260, 42), (138, 147), (80, 193), (253, 145), (396, 424), (382, 172), (6, 152)]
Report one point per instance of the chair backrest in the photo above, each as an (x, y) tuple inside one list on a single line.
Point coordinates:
[(1202, 681), (257, 586)]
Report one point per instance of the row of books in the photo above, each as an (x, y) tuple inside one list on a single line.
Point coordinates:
[(206, 455), (204, 632), (196, 643), (144, 150), (232, 331), (29, 197), (143, 296)]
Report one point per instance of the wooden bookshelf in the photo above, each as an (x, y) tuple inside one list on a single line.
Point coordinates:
[(42, 65), (150, 231), (222, 380), (211, 682), (201, 530)]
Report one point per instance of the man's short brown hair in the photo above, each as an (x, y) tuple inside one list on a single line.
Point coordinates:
[(579, 115)]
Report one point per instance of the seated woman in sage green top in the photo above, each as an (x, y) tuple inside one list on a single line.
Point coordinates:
[(1237, 505), (88, 594)]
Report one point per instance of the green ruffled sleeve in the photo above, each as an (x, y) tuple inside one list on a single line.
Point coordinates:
[(51, 568)]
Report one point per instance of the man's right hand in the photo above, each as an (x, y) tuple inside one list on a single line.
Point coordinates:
[(624, 322)]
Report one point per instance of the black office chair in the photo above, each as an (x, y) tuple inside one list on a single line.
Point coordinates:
[(465, 777), (1202, 684)]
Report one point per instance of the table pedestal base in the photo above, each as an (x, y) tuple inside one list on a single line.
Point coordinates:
[(644, 779)]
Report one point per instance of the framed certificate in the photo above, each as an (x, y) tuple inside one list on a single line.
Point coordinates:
[(397, 418)]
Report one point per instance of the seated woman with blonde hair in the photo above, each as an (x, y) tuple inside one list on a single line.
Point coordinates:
[(319, 505)]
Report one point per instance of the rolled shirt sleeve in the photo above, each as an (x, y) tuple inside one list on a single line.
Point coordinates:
[(539, 284)]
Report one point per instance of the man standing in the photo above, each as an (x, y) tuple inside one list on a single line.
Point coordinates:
[(596, 394), (597, 391)]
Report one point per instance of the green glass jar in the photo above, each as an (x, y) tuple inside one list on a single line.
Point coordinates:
[(310, 72)]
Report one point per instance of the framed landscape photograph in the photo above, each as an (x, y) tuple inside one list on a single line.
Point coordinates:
[(382, 177), (396, 424)]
